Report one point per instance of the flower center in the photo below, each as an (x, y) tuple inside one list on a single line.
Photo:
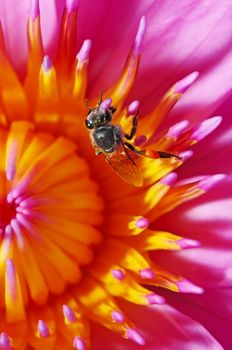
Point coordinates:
[(7, 213), (50, 210)]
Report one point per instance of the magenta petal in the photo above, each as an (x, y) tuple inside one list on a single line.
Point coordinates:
[(51, 12), (212, 154), (188, 36), (106, 37), (207, 219), (211, 309), (12, 12), (168, 31), (171, 28), (162, 327)]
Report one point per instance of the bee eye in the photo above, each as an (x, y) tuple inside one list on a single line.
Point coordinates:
[(88, 124), (108, 116)]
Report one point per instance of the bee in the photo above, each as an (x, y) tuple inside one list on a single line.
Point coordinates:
[(110, 140)]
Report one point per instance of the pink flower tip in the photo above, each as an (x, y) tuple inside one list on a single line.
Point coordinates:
[(34, 9), (183, 84), (4, 341), (177, 129), (133, 107), (47, 63), (106, 103), (205, 128), (10, 172), (9, 198), (83, 54), (11, 162), (155, 299), (10, 267), (118, 316), (137, 48), (69, 314), (72, 5), (79, 343), (169, 179), (210, 181), (185, 155), (8, 230), (186, 286), (43, 329), (142, 223), (147, 273), (118, 274), (134, 335), (186, 243)]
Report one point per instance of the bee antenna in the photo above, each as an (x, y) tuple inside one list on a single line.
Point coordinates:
[(100, 100)]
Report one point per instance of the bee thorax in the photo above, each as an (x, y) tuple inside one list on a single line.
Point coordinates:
[(105, 138)]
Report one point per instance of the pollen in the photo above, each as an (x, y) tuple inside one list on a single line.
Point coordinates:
[(74, 237)]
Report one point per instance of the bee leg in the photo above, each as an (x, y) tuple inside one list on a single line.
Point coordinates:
[(132, 148), (98, 153), (113, 109), (167, 155), (134, 127), (150, 153)]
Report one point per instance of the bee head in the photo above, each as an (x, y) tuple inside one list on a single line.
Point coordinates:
[(98, 117)]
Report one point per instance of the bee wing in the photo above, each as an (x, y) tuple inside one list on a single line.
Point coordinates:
[(124, 165)]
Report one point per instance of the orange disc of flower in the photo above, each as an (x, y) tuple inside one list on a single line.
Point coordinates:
[(46, 199)]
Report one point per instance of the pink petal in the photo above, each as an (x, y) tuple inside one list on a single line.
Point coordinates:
[(12, 13), (180, 39), (16, 12), (188, 37), (213, 310), (207, 219), (163, 327), (106, 63), (213, 154), (51, 14)]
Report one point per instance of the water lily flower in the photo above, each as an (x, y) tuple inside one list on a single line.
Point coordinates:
[(88, 261)]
